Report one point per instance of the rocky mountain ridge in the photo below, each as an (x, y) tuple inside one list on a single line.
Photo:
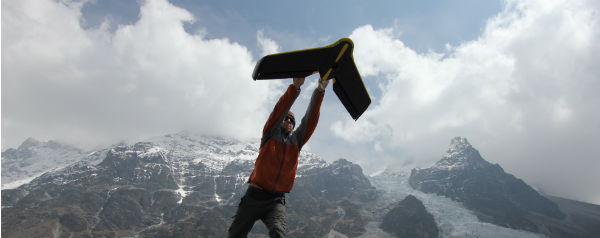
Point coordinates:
[(494, 195), (179, 186)]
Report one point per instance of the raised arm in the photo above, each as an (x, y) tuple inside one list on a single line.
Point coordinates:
[(311, 117)]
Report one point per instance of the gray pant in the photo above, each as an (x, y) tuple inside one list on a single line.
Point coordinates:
[(258, 204)]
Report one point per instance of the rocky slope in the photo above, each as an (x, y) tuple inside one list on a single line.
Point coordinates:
[(179, 186)]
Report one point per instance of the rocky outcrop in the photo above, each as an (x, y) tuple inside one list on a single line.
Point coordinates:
[(409, 218)]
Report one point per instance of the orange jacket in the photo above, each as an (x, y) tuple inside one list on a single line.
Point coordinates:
[(275, 167)]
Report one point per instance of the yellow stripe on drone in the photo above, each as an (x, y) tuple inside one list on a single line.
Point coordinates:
[(341, 53), (344, 48), (327, 74)]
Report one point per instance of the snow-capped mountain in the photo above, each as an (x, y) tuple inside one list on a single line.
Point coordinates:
[(186, 185), (492, 194), (34, 158), (464, 176), (179, 185)]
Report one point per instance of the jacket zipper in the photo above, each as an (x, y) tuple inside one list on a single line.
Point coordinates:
[(280, 167)]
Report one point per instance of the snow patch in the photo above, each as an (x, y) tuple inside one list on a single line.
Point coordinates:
[(152, 151), (182, 194), (373, 231), (217, 197)]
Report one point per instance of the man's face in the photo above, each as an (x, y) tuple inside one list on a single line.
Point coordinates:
[(288, 123)]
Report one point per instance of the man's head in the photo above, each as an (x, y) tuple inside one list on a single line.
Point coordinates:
[(288, 122)]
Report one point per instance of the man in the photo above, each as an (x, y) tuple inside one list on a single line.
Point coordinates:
[(275, 168)]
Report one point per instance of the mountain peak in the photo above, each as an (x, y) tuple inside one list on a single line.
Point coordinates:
[(458, 144), (500, 198), (29, 142), (461, 154), (34, 157)]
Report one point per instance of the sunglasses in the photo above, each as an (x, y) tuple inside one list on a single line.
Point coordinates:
[(291, 119)]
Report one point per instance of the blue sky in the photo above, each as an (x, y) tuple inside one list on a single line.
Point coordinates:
[(519, 79), (425, 25)]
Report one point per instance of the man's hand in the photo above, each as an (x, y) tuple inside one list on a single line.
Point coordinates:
[(322, 85), (298, 82)]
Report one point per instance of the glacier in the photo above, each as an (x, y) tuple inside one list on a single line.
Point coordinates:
[(453, 219)]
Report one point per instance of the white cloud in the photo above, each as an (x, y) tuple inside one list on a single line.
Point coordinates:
[(529, 82), (91, 86), (267, 45)]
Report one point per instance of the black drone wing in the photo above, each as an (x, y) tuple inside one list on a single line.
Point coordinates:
[(334, 61)]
